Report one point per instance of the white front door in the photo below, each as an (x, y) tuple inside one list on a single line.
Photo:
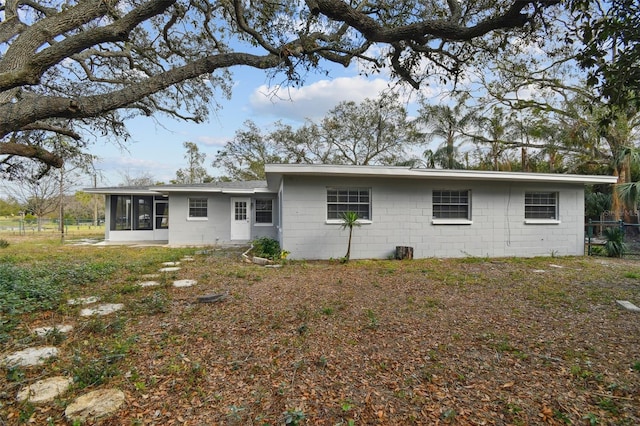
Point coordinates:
[(240, 218), (161, 222)]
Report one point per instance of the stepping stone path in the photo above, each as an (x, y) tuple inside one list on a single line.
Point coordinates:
[(150, 276), (184, 283), (30, 356), (60, 328), (83, 300), (44, 390), (100, 310), (93, 405)]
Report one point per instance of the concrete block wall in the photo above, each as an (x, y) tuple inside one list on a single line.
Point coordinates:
[(402, 216), (216, 229)]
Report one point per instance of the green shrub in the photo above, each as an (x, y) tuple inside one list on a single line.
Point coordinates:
[(267, 247), (4, 243), (614, 246)]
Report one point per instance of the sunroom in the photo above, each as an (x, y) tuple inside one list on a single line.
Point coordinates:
[(136, 214)]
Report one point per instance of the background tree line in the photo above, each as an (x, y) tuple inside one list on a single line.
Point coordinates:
[(74, 69)]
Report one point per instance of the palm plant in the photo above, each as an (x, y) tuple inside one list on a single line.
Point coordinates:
[(349, 220), (448, 125), (614, 246)]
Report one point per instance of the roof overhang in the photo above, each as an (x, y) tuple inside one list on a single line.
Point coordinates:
[(275, 172), (121, 191), (194, 189)]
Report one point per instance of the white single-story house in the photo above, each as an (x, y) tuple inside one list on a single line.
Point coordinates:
[(439, 213)]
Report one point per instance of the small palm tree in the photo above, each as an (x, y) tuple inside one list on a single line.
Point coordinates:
[(614, 245), (349, 220)]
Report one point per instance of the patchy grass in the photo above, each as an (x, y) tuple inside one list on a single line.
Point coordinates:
[(455, 341)]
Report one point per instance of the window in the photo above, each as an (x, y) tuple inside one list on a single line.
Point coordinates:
[(541, 205), (451, 204), (121, 212), (342, 200), (131, 213), (142, 212), (197, 207), (240, 210), (264, 211), (162, 214)]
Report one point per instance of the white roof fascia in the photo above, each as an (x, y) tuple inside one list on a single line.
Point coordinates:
[(416, 173), (239, 191), (215, 190), (121, 191), (167, 189)]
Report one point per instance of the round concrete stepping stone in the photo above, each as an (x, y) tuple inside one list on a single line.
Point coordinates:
[(83, 300), (184, 283), (30, 356), (170, 263), (60, 328), (105, 309), (45, 390), (94, 405), (149, 284), (188, 259), (169, 269)]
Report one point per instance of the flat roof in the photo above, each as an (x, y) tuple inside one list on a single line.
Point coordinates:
[(276, 171), (122, 190), (236, 187)]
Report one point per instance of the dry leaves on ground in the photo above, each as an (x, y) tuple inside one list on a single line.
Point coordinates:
[(467, 341)]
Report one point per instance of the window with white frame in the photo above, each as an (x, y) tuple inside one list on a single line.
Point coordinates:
[(264, 211), (451, 204), (541, 205), (342, 200), (197, 208)]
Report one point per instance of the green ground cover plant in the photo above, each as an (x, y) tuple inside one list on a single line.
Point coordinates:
[(525, 341), (267, 248)]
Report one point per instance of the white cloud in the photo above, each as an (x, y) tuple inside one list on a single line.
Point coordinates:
[(212, 141), (114, 167), (315, 100)]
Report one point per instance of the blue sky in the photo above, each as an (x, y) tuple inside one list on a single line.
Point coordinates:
[(156, 144)]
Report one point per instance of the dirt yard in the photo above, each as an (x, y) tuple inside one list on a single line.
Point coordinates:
[(469, 342)]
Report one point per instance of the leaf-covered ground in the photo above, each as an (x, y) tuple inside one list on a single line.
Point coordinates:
[(467, 341)]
